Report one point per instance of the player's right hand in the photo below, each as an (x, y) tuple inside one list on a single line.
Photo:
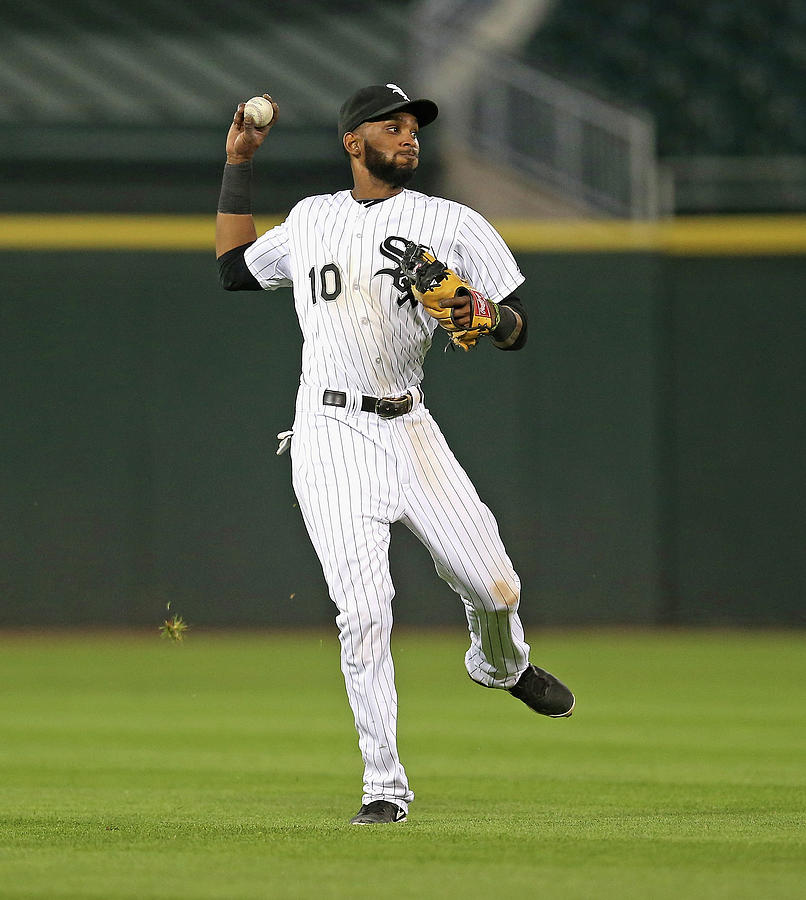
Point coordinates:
[(243, 138)]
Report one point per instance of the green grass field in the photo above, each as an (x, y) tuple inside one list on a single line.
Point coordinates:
[(227, 767)]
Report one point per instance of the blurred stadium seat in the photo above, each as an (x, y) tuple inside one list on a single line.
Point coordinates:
[(721, 79), (134, 95), (138, 94), (128, 62)]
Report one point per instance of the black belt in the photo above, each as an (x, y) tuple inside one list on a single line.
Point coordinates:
[(385, 407)]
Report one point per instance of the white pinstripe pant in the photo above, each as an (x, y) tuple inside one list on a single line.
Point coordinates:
[(355, 473)]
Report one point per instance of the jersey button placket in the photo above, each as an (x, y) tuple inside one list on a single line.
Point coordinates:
[(355, 257), (355, 247)]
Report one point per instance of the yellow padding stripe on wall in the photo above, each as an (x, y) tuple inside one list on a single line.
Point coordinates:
[(112, 232), (708, 235), (711, 235)]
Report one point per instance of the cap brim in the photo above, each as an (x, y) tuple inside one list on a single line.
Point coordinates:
[(425, 111)]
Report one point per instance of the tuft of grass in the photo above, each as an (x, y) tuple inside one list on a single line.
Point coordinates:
[(174, 629), (231, 769)]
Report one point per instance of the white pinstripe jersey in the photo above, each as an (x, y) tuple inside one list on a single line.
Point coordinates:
[(361, 328)]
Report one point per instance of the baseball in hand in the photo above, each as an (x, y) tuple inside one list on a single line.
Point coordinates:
[(261, 111)]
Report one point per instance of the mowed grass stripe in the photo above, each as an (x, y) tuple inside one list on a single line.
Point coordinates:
[(227, 767)]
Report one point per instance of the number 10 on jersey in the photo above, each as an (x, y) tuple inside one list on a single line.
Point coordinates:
[(329, 278)]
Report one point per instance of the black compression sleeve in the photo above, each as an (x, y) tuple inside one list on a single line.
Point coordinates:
[(516, 304), (233, 273), (236, 190)]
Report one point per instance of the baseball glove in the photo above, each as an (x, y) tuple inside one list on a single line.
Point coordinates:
[(432, 282)]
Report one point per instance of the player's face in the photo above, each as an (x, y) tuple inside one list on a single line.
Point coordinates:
[(392, 148)]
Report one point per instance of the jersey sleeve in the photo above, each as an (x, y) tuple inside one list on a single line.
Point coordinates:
[(480, 256), (269, 259)]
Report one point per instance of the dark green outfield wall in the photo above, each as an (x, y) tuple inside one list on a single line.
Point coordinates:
[(644, 455), (737, 439)]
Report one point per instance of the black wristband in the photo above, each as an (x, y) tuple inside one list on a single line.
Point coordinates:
[(236, 190), (506, 325)]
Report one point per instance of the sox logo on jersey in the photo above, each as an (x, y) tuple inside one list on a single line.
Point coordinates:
[(354, 473), (392, 248)]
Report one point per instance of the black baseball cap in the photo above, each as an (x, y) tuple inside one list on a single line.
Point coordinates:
[(377, 101)]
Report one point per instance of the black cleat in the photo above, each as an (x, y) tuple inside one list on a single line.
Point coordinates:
[(544, 693), (379, 812)]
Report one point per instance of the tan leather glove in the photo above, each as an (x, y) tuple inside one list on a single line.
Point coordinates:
[(433, 283)]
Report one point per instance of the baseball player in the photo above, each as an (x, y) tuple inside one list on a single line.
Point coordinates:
[(375, 271)]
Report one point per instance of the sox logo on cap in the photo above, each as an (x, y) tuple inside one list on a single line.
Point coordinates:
[(398, 90)]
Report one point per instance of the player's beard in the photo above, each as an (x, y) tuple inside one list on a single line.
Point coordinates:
[(385, 169)]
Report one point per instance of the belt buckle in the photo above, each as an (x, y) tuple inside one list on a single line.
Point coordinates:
[(392, 407)]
